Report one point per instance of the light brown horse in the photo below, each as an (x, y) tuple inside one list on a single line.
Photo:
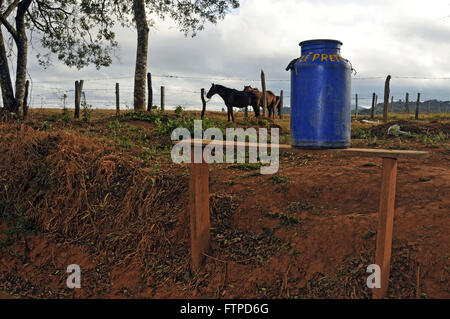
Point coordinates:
[(272, 100)]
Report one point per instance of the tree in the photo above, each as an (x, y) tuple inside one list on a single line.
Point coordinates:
[(190, 16), (78, 32)]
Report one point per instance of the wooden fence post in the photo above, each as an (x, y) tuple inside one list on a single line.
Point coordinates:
[(281, 104), (77, 100), (385, 224), (203, 103), (264, 99), (417, 106), (150, 92), (117, 100), (372, 114), (356, 106), (25, 99), (392, 104), (407, 103), (78, 91), (162, 99), (387, 93)]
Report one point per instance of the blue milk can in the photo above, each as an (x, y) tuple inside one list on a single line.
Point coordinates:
[(320, 96)]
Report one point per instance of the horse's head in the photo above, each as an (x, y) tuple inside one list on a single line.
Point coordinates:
[(248, 88), (212, 91)]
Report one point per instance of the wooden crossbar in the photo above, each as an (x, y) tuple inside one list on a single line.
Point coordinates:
[(357, 152)]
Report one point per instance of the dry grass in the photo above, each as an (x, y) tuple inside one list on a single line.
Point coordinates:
[(85, 192)]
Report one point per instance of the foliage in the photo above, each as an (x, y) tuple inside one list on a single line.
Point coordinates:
[(190, 15), (78, 32)]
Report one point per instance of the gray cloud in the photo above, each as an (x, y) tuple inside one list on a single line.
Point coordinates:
[(403, 38)]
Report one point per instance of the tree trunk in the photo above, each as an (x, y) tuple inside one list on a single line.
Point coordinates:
[(9, 102), (141, 55), (22, 53), (21, 73)]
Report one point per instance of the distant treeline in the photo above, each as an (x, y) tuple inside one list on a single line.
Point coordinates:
[(434, 106), (399, 107)]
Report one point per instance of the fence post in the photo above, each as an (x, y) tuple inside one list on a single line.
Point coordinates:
[(417, 106), (372, 114), (150, 92), (407, 103), (281, 104), (25, 99), (264, 100), (78, 91), (203, 102), (392, 104), (162, 99), (117, 100), (77, 100), (387, 93)]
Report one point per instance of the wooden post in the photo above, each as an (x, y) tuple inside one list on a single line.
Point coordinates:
[(199, 211), (417, 106), (281, 104), (203, 103), (78, 91), (385, 224), (392, 104), (407, 103), (150, 92), (162, 99), (387, 93), (264, 99), (117, 100), (25, 99), (372, 114), (77, 100), (356, 106)]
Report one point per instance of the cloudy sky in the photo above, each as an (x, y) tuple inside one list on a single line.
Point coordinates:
[(403, 38)]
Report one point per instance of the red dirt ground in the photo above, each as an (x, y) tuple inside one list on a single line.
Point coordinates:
[(308, 234)]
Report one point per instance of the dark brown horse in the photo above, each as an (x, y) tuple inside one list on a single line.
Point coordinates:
[(234, 98), (273, 101)]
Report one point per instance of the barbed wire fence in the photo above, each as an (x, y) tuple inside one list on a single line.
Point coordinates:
[(100, 91)]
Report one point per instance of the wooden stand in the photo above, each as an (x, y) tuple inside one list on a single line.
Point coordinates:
[(199, 201)]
